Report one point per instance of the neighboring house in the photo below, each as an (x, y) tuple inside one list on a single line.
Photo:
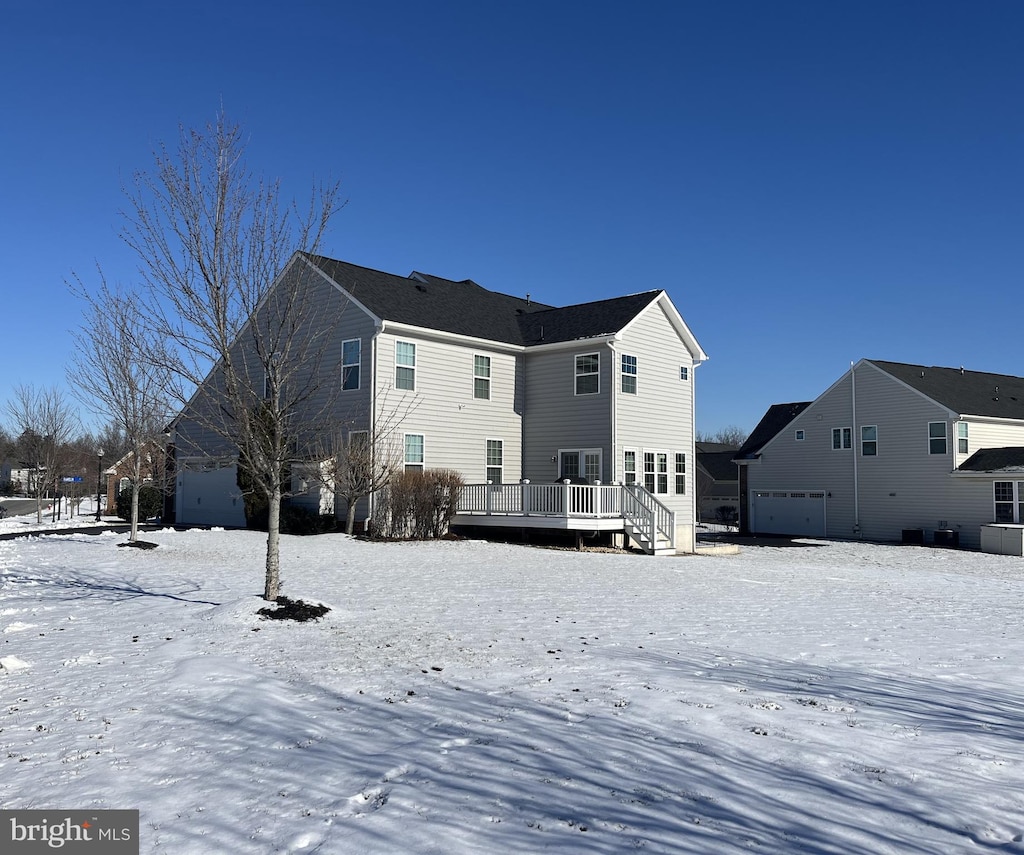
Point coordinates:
[(152, 469), (717, 483), (890, 452), (503, 390)]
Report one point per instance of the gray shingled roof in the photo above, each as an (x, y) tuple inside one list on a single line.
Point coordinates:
[(971, 393), (719, 464), (465, 308), (777, 417), (995, 460)]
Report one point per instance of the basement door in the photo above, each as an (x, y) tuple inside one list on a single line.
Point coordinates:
[(793, 512)]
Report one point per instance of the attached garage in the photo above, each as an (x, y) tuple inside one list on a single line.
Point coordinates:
[(793, 512), (209, 495)]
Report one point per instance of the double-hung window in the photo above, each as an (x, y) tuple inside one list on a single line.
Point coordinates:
[(628, 374), (629, 466), (495, 458), (869, 440), (680, 474), (656, 472), (405, 365), (1009, 501), (936, 437), (587, 374), (482, 377), (413, 452), (961, 438), (350, 354), (842, 438)]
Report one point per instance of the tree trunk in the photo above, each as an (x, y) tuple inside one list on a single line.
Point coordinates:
[(134, 534), (273, 583), (350, 518)]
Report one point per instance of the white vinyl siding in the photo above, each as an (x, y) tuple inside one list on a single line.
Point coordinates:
[(443, 407)]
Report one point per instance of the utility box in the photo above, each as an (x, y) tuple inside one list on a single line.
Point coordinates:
[(946, 537), (1003, 539)]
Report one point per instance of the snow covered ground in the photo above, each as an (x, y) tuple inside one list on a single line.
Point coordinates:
[(465, 697)]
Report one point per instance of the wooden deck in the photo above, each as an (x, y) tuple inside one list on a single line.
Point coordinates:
[(571, 507)]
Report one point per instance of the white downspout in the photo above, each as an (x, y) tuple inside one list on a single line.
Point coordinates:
[(853, 448), (372, 498)]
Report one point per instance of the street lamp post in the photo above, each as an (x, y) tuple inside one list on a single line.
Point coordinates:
[(99, 480)]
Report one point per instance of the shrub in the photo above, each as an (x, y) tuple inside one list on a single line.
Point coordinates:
[(417, 505), (151, 503)]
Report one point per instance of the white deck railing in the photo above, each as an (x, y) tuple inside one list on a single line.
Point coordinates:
[(565, 500), (555, 500)]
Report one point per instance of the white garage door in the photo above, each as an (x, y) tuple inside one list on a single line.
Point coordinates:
[(792, 512), (210, 497)]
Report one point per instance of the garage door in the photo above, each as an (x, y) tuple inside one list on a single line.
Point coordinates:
[(210, 497), (792, 512)]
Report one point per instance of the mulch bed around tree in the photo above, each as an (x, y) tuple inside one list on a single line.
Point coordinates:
[(289, 609)]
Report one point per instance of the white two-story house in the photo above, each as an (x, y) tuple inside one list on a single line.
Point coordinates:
[(528, 402), (890, 452)]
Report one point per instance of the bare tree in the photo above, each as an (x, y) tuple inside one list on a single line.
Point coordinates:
[(245, 360), (111, 374), (365, 454), (732, 436), (46, 423)]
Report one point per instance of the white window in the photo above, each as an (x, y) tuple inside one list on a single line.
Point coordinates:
[(495, 457), (800, 436), (656, 472), (405, 365), (680, 474), (629, 466), (629, 374), (869, 440), (842, 438), (936, 437), (1009, 501), (684, 372), (482, 377), (414, 452), (587, 368), (350, 358), (961, 438)]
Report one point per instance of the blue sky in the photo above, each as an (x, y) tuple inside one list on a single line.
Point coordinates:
[(812, 182)]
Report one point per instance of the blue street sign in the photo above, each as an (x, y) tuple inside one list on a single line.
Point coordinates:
[(71, 479)]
